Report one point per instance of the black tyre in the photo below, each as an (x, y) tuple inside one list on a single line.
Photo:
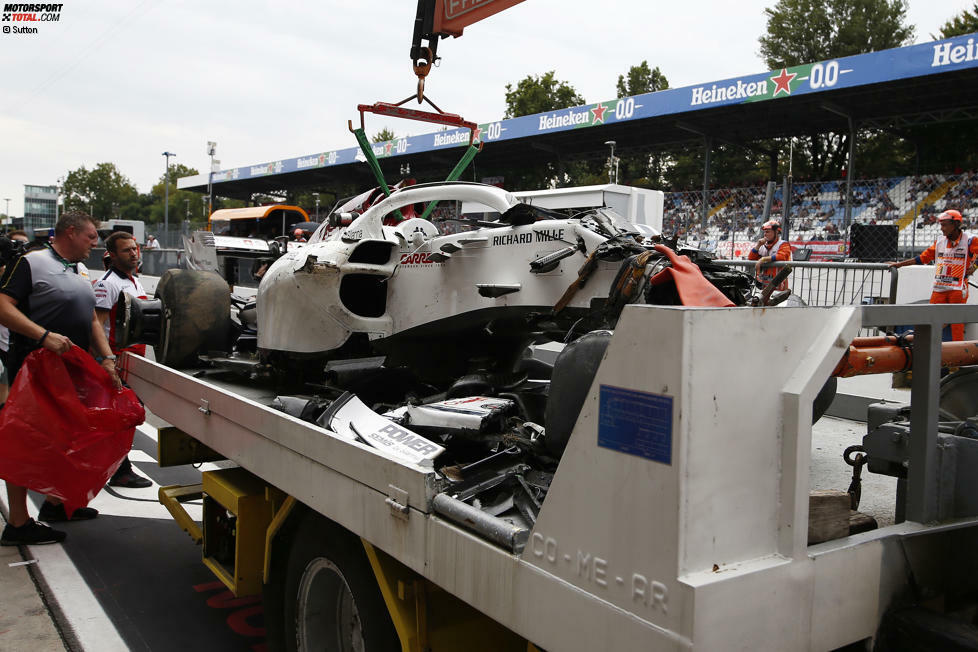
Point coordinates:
[(959, 394), (197, 315), (328, 595), (573, 372)]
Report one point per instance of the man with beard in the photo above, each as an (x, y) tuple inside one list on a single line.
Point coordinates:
[(120, 277)]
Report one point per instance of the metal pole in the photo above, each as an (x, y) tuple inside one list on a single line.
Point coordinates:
[(924, 396), (849, 175), (166, 198), (611, 160), (708, 147), (786, 205), (211, 151)]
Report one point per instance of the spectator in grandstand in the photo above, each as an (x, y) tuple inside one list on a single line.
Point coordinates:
[(956, 256), (768, 249)]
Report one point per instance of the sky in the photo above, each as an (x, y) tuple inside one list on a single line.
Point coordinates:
[(124, 81)]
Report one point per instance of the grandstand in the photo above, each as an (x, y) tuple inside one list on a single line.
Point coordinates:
[(817, 211), (893, 89)]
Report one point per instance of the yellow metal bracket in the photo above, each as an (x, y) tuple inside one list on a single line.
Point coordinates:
[(428, 619), (174, 447), (172, 496), (273, 528), (237, 513)]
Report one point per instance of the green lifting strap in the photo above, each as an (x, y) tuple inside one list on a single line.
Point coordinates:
[(368, 153), (470, 153)]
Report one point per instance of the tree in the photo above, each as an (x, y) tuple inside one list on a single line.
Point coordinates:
[(537, 95), (643, 169), (179, 207), (383, 135), (540, 94), (964, 23), (807, 31), (640, 79), (100, 191)]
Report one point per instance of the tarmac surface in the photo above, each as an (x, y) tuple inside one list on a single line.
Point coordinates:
[(133, 580), (130, 579)]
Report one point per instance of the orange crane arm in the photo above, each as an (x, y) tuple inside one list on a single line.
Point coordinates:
[(440, 18), (452, 16), (887, 354)]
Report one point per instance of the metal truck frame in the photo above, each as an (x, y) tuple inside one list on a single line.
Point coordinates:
[(677, 518)]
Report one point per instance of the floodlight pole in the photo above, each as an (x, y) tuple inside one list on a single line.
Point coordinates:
[(211, 151), (316, 195), (166, 197), (611, 161)]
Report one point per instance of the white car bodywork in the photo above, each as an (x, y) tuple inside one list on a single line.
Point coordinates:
[(380, 280)]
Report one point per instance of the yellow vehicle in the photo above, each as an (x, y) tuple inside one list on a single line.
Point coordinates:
[(256, 222), (247, 240)]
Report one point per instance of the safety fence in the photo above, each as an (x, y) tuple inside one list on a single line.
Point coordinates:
[(836, 284), (171, 236), (153, 261), (881, 219)]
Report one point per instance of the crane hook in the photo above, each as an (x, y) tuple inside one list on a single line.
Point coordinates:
[(422, 66)]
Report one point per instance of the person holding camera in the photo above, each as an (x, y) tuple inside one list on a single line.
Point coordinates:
[(47, 300), (120, 276)]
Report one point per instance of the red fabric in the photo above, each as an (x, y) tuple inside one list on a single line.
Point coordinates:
[(952, 296), (692, 286), (65, 429)]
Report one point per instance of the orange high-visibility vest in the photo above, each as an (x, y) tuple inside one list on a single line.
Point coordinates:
[(951, 263)]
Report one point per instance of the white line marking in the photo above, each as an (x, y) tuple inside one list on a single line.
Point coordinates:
[(22, 563), (82, 611)]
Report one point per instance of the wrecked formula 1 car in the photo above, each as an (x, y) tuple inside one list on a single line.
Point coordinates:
[(417, 343)]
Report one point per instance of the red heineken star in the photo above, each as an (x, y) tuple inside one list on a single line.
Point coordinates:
[(598, 112), (388, 146), (476, 133), (783, 82)]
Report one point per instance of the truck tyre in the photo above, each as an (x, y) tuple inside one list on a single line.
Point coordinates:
[(196, 316), (330, 598)]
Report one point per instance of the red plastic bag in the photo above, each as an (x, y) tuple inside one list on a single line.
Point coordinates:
[(65, 428)]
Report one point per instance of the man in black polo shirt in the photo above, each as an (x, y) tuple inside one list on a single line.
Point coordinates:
[(46, 300)]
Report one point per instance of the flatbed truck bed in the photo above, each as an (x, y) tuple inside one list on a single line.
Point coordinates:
[(677, 519)]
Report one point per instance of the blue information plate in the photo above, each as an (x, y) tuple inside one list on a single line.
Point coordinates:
[(637, 423)]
